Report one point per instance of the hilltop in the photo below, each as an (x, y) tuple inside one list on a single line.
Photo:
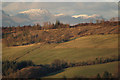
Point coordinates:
[(55, 33)]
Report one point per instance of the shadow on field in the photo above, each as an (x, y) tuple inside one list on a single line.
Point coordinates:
[(55, 72)]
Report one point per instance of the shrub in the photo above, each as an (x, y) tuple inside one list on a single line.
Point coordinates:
[(59, 64), (107, 74), (12, 66)]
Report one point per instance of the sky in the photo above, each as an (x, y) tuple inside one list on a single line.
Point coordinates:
[(105, 9), (59, 0)]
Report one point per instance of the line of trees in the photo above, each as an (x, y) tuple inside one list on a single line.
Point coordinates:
[(57, 25), (10, 67), (46, 26)]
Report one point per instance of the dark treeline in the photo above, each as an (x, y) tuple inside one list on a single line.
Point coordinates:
[(12, 66), (17, 69), (54, 33)]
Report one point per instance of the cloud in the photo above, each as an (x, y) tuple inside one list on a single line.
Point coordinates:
[(61, 14), (106, 9), (81, 15), (86, 16)]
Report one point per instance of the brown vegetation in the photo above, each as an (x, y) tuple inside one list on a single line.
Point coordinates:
[(55, 33)]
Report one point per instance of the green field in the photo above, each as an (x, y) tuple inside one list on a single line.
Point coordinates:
[(80, 49), (87, 71)]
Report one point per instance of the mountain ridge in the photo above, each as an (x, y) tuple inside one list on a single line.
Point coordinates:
[(33, 16)]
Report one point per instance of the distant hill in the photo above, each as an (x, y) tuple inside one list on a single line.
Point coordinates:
[(8, 20)]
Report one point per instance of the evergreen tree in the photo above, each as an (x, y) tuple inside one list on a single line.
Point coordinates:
[(98, 75)]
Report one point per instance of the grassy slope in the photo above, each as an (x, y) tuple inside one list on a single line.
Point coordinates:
[(84, 48), (87, 71)]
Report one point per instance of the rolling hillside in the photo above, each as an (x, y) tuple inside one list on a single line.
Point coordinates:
[(86, 71), (80, 49)]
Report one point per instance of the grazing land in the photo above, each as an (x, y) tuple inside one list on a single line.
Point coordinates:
[(60, 50), (80, 49)]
